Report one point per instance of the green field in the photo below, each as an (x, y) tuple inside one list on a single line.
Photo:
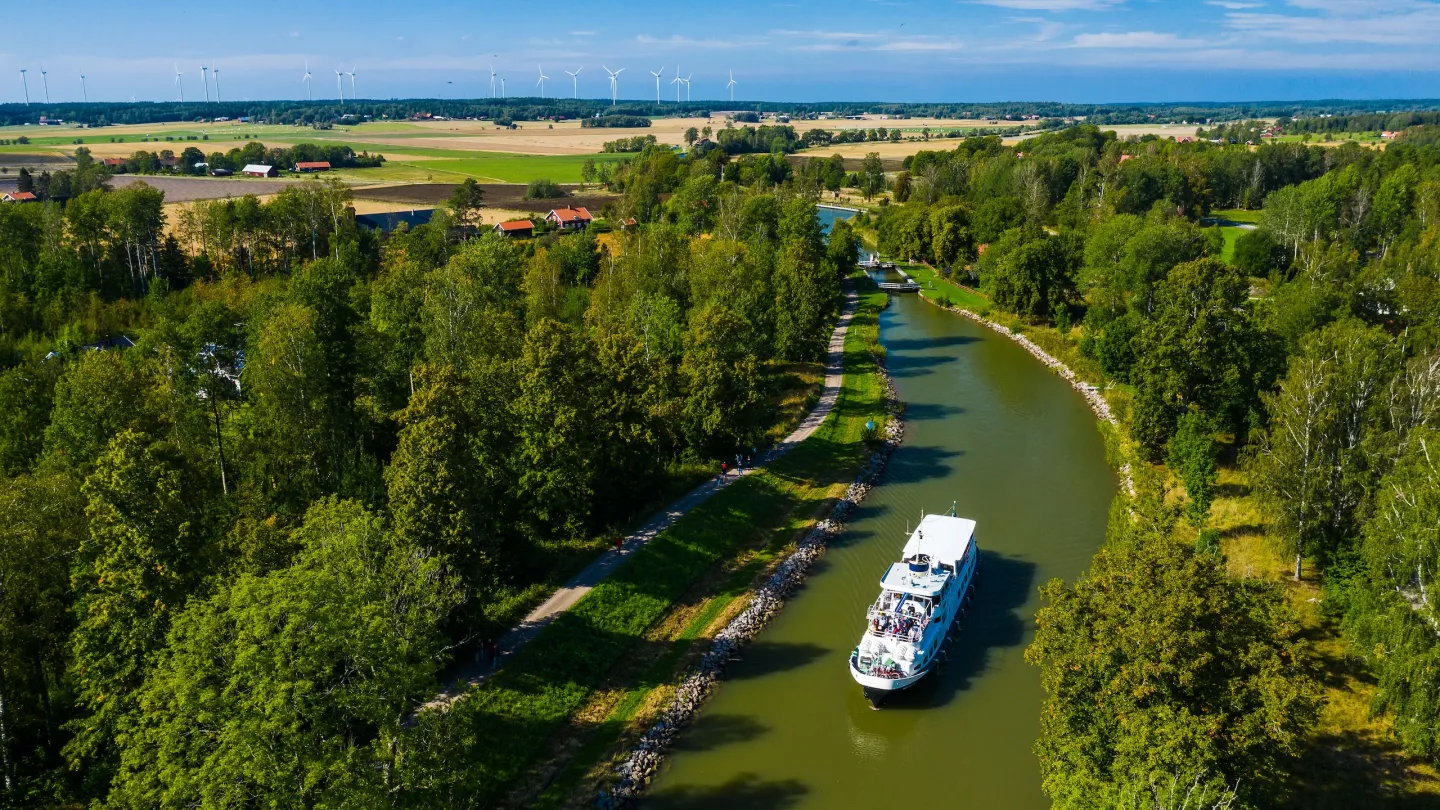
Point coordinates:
[(502, 167)]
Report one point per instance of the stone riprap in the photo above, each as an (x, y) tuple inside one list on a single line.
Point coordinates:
[(635, 773)]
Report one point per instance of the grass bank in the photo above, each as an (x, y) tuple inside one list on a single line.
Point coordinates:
[(521, 730)]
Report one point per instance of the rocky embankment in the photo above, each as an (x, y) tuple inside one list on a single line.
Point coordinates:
[(638, 768), (1090, 392)]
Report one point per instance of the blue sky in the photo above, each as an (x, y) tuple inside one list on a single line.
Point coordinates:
[(892, 50)]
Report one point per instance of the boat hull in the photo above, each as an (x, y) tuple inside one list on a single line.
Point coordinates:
[(877, 689)]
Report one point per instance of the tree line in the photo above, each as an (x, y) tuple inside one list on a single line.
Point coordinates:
[(101, 113)]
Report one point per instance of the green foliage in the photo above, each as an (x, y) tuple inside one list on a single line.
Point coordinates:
[(292, 686), (1315, 463), (1192, 456), (541, 189), (1030, 272), (1210, 682), (1393, 618), (1200, 348)]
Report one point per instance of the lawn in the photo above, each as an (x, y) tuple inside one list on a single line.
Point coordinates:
[(942, 290), (503, 167), (533, 698)]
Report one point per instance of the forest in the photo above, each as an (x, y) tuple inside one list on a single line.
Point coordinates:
[(1306, 358), (236, 554)]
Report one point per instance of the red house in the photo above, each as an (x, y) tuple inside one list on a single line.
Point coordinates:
[(516, 228), (569, 219), (18, 197), (313, 166)]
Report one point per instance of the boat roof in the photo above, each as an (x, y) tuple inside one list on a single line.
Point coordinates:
[(943, 537)]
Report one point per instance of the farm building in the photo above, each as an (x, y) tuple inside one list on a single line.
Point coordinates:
[(313, 166), (569, 219), (18, 197), (260, 170), (627, 223), (117, 164), (515, 228)]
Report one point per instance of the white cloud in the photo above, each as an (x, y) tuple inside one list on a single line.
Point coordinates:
[(1233, 5), (1135, 39), (1370, 22)]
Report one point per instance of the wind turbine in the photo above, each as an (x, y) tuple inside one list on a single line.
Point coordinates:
[(84, 93), (179, 85), (25, 84), (205, 80), (731, 85), (46, 82), (502, 87), (614, 83), (687, 86), (216, 73), (576, 78), (340, 85), (656, 74), (492, 80), (306, 80), (677, 81), (543, 77), (351, 74)]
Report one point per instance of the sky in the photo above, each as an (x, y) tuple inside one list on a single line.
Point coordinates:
[(1082, 51)]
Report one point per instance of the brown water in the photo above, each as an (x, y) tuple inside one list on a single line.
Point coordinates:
[(992, 429)]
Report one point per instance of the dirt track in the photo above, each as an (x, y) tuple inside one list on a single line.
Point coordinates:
[(186, 189)]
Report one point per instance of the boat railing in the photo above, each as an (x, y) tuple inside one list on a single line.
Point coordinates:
[(897, 626)]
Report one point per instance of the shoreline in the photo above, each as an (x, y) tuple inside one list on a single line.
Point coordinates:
[(1089, 391), (765, 602)]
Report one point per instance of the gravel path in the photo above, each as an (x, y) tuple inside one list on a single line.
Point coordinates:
[(475, 673)]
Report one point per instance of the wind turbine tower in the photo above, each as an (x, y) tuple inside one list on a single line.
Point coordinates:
[(179, 85), (677, 81), (340, 85), (543, 77), (216, 73), (205, 80), (45, 81), (25, 84), (351, 74), (614, 83), (731, 85), (575, 77), (492, 80), (687, 86), (306, 80), (84, 93), (656, 74)]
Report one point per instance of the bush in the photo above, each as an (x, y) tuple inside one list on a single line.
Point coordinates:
[(540, 189)]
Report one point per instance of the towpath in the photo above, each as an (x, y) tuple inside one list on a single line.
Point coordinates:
[(473, 673)]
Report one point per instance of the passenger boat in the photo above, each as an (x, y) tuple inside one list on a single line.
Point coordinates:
[(921, 598)]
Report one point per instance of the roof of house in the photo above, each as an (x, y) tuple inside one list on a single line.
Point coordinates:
[(21, 196), (578, 214), (258, 167), (313, 164), (113, 161), (516, 225)]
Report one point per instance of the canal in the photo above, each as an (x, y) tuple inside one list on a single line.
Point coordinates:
[(987, 427)]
